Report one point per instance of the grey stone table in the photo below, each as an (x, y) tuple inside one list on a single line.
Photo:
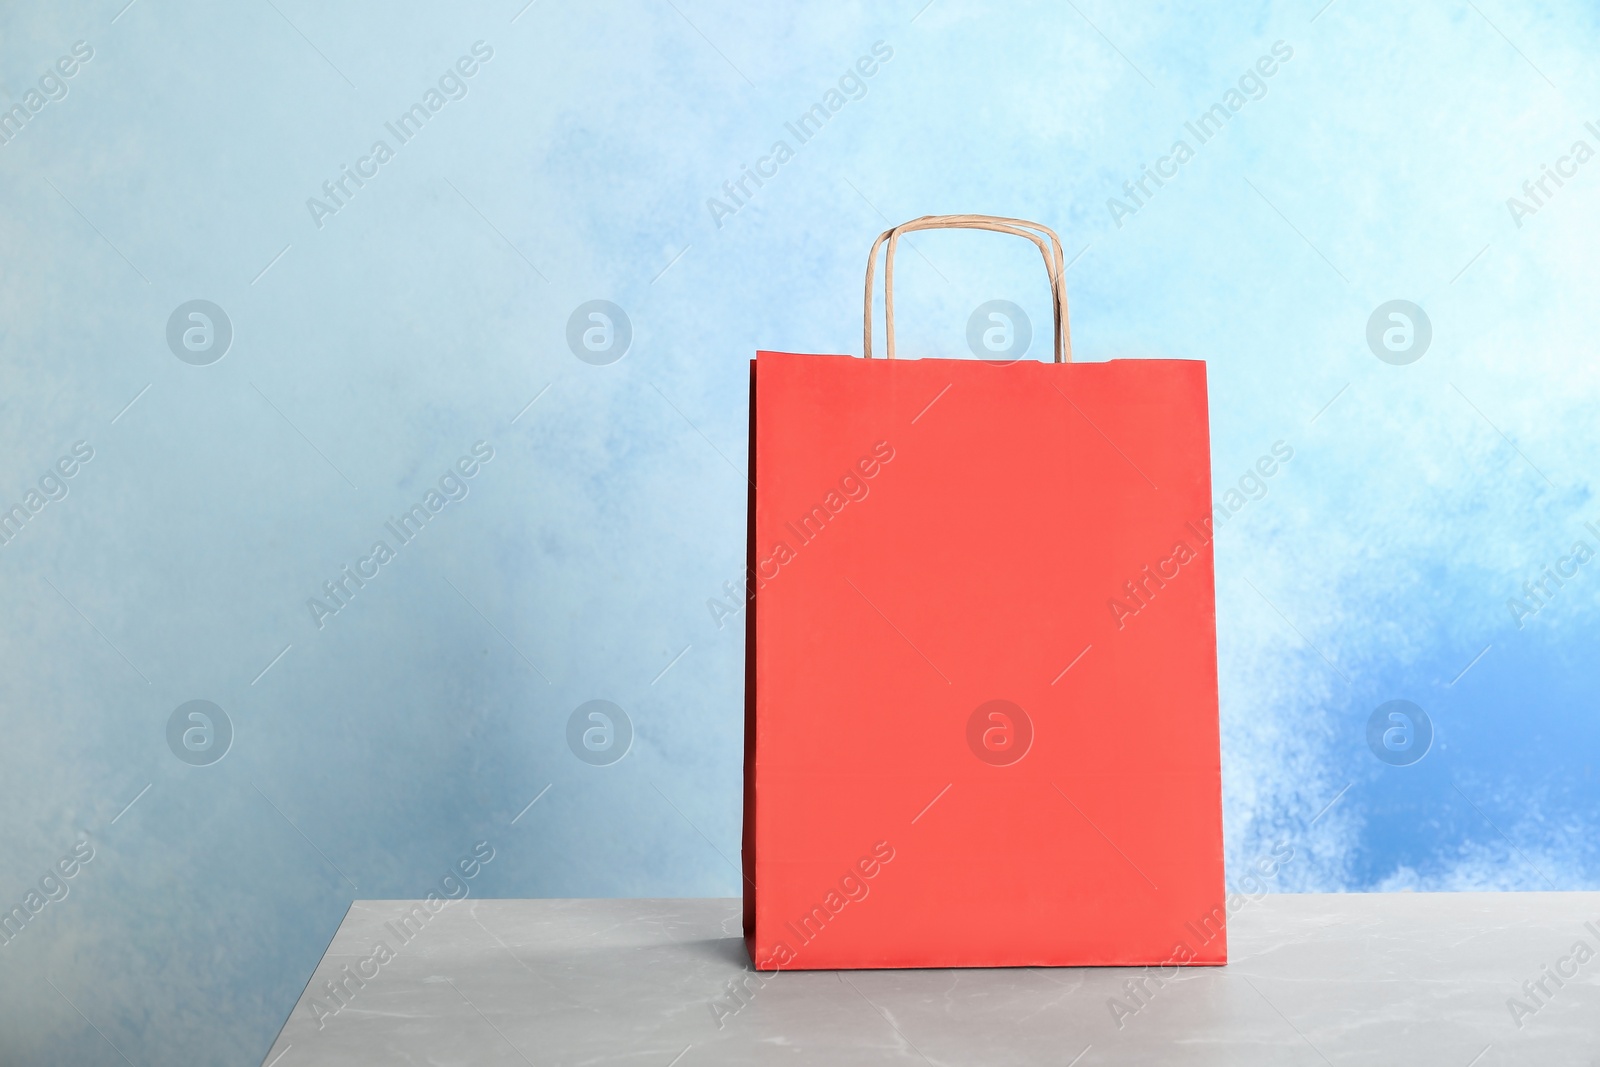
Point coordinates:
[(1360, 979)]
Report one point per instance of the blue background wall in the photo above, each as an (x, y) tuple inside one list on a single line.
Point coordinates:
[(373, 350)]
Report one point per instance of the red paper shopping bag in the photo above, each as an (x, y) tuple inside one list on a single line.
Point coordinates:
[(981, 676)]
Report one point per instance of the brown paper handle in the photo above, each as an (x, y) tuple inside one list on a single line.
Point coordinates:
[(1000, 224)]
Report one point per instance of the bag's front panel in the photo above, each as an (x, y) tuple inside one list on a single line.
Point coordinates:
[(985, 709)]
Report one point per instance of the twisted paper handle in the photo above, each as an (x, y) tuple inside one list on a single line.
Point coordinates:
[(1019, 227)]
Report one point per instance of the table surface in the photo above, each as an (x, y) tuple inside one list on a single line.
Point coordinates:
[(1402, 978)]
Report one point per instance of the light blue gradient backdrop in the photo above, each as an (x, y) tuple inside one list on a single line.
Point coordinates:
[(427, 313)]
